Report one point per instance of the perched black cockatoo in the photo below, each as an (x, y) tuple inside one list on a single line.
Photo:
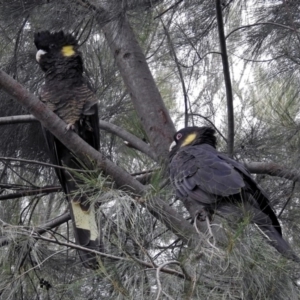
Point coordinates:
[(67, 94), (200, 173)]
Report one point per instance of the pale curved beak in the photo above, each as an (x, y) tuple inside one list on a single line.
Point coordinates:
[(173, 144), (39, 55)]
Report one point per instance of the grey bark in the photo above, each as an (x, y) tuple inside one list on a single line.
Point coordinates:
[(139, 81)]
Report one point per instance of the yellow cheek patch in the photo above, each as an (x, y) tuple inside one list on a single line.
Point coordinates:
[(68, 51), (189, 139)]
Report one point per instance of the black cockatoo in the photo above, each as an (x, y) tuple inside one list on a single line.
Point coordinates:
[(67, 94), (200, 173)]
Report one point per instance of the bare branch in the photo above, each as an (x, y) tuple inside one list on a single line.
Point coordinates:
[(165, 11), (17, 119), (39, 191), (184, 90), (13, 186), (158, 279), (157, 207), (43, 228), (212, 124), (112, 128), (288, 200), (126, 136), (259, 24), (226, 71), (272, 169), (110, 256), (42, 164)]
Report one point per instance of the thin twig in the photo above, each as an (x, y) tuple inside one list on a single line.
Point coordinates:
[(288, 199), (128, 137), (158, 279), (38, 191), (110, 256), (228, 87), (184, 90), (209, 231), (258, 24), (212, 124), (39, 229), (171, 7), (45, 164)]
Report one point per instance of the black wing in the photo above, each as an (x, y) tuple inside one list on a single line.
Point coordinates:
[(83, 214), (203, 174), (198, 169), (255, 190)]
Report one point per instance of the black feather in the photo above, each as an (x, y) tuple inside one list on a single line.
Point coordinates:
[(46, 41), (66, 93), (53, 63), (200, 173)]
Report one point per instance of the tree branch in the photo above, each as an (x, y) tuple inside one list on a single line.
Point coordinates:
[(272, 169), (269, 168), (165, 11), (39, 191), (36, 162), (140, 84), (127, 136), (110, 256), (156, 206), (226, 71), (261, 23), (17, 119), (184, 90), (288, 200), (211, 123), (42, 228), (112, 128)]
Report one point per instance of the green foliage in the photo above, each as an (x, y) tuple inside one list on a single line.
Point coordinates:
[(235, 262)]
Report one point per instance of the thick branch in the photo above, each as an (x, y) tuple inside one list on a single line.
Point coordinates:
[(269, 168), (157, 207), (272, 169), (139, 81), (136, 74), (226, 71)]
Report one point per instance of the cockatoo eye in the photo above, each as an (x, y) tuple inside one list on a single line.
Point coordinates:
[(178, 136)]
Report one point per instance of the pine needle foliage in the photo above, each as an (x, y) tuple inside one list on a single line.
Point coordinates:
[(141, 257)]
